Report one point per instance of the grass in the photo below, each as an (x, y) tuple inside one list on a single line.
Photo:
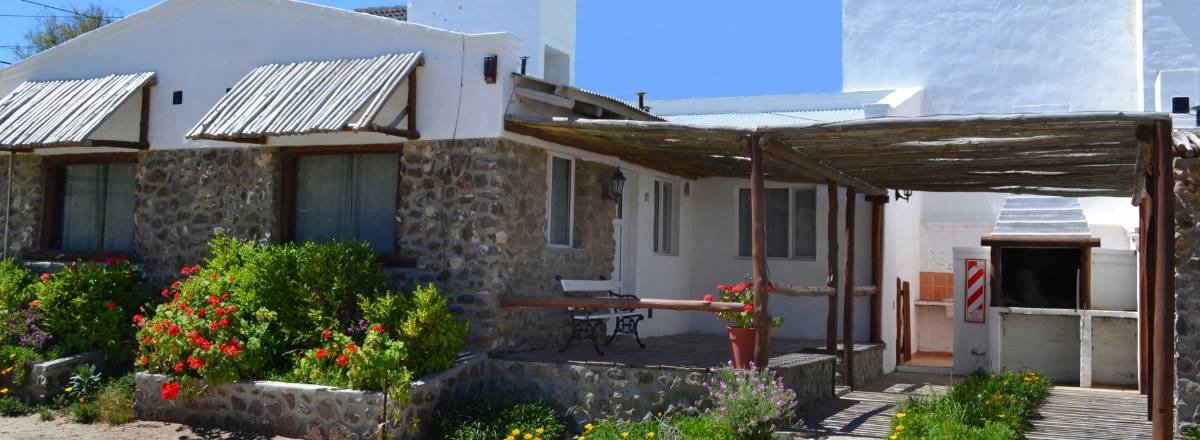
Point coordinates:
[(12, 407), (984, 407)]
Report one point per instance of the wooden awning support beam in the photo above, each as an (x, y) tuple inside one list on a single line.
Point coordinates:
[(758, 253), (1163, 398), (562, 302), (819, 291), (778, 151), (848, 295), (1039, 241), (831, 317)]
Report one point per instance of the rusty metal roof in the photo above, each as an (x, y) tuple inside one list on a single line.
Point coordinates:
[(39, 114), (392, 12), (309, 97)]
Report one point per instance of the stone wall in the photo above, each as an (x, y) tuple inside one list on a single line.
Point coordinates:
[(474, 213), (46, 379), (28, 178), (1187, 291), (311, 411), (184, 196)]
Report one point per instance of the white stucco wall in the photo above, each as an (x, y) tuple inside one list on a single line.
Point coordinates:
[(715, 261), (901, 259), (1171, 41), (203, 47), (983, 56), (661, 275)]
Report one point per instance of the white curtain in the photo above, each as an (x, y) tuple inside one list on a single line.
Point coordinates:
[(348, 196), (98, 207)]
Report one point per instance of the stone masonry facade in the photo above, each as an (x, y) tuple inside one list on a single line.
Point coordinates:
[(1187, 291), (471, 212)]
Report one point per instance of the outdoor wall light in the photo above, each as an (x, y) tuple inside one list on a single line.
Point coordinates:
[(903, 195), (614, 189)]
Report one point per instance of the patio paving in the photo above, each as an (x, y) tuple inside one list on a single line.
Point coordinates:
[(1069, 413)]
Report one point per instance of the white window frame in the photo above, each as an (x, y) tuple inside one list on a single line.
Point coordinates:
[(550, 199), (675, 208), (791, 211)]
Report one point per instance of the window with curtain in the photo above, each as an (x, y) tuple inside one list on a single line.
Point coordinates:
[(666, 218), (790, 222), (351, 196), (561, 189), (97, 207)]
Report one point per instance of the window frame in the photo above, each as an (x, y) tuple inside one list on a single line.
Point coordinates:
[(791, 222), (550, 156), (289, 180), (675, 208), (54, 198)]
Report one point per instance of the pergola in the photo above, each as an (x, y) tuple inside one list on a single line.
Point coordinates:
[(1067, 154)]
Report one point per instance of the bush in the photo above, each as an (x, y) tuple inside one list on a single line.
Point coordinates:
[(26, 328), (87, 306), (755, 401), (45, 414), (429, 331), (85, 413), (12, 407), (674, 427), (201, 333), (115, 401), (14, 282), (981, 407), (13, 361), (493, 418), (378, 364)]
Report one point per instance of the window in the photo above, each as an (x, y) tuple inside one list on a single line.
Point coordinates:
[(347, 196), (666, 218), (97, 207), (562, 186), (791, 223)]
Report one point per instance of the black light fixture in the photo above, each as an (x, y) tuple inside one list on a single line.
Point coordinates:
[(615, 189), (490, 67), (903, 194)]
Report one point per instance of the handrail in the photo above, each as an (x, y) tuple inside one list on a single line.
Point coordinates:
[(563, 302)]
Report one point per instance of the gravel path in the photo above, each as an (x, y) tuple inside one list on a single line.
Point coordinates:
[(30, 427)]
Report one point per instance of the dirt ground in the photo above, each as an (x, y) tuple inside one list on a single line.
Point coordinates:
[(30, 427)]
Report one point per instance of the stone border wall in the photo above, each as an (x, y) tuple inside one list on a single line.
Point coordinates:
[(46, 379), (301, 410)]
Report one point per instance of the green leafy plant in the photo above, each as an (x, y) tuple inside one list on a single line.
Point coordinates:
[(200, 333), (428, 329), (12, 407), (13, 364), (672, 427), (983, 406), (14, 285), (755, 401), (83, 385), (45, 414), (87, 306), (115, 401), (489, 418), (742, 292), (378, 364), (85, 413)]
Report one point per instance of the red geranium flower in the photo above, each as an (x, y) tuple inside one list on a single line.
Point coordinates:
[(144, 360), (173, 330), (353, 348), (230, 309), (224, 322), (110, 305), (195, 363), (145, 340), (176, 285), (230, 350), (137, 319), (326, 334), (170, 390), (166, 293), (213, 325), (158, 327), (342, 360), (378, 328), (321, 353), (34, 304), (212, 299), (748, 308), (708, 297), (178, 367), (45, 276)]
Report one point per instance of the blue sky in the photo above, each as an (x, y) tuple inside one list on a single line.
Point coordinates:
[(669, 48)]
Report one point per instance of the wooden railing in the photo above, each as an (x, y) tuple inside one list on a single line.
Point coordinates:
[(613, 303), (787, 290)]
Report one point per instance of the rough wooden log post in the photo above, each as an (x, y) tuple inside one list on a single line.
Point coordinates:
[(758, 252), (1085, 278), (1151, 298), (877, 269), (1143, 303), (848, 299), (832, 240), (1164, 283)]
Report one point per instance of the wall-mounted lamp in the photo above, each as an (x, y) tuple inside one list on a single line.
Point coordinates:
[(903, 194), (490, 66), (614, 189)]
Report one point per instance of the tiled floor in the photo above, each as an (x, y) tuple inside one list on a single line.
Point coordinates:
[(935, 360)]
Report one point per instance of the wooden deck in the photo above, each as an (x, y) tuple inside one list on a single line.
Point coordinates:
[(1069, 413)]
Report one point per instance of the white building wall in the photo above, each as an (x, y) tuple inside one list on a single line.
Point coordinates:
[(203, 47), (984, 56), (714, 261), (1171, 41), (901, 259), (661, 275)]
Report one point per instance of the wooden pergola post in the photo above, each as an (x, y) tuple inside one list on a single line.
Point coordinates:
[(831, 319), (1164, 283), (758, 253), (848, 299), (877, 267), (1143, 299)]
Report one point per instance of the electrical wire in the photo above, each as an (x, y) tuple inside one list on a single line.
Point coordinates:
[(53, 7), (114, 17)]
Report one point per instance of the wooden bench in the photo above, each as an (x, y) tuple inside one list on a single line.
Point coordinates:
[(586, 321)]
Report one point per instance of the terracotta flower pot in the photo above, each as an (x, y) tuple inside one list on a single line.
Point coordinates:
[(741, 342)]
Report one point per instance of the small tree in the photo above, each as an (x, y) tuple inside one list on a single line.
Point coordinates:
[(54, 30)]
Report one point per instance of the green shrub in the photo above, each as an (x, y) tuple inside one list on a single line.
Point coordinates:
[(754, 400), (84, 384), (115, 401), (674, 427), (87, 306), (45, 414), (1191, 432), (430, 332), (490, 418), (13, 362), (998, 406), (14, 285), (376, 364), (84, 412), (12, 407)]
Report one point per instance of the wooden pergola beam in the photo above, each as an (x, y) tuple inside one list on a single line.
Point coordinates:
[(848, 298)]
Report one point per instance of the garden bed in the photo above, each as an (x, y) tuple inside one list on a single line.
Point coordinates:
[(297, 410)]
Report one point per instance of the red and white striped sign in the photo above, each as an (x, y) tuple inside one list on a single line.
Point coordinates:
[(976, 304)]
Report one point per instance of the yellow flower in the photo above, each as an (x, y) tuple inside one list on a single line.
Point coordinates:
[(516, 432), (510, 438), (899, 428), (900, 415), (80, 400), (3, 391), (625, 435), (650, 434), (588, 427), (582, 438), (537, 438), (660, 413), (68, 389), (528, 436), (893, 437), (539, 431)]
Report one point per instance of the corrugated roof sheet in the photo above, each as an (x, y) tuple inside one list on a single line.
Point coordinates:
[(40, 114), (393, 12), (764, 119), (307, 97)]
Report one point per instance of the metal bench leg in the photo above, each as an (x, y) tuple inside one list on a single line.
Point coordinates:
[(616, 328), (635, 333), (595, 340)]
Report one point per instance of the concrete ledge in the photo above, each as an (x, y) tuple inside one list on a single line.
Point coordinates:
[(45, 379), (304, 410)]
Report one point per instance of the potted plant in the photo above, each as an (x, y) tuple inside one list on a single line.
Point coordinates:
[(742, 335)]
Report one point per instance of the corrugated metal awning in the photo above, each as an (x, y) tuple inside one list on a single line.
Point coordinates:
[(362, 94), (41, 114)]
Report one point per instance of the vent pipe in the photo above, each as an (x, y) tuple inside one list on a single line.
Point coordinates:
[(524, 61), (642, 102)]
